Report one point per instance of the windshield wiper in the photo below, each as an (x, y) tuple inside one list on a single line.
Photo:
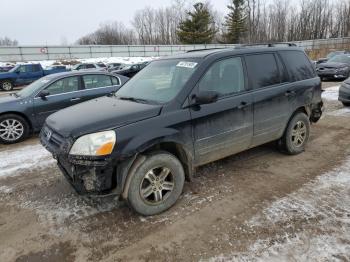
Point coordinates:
[(134, 99)]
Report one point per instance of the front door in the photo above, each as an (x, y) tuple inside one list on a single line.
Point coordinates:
[(224, 127), (267, 77), (62, 93)]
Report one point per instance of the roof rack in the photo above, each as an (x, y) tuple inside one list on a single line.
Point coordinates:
[(269, 44), (204, 49)]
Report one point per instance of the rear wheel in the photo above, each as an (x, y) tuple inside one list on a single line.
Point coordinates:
[(156, 184), (296, 135), (13, 129), (6, 85)]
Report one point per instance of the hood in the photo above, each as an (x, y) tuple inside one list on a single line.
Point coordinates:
[(98, 115), (332, 65)]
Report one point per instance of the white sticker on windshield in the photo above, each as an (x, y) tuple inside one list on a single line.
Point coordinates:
[(187, 64)]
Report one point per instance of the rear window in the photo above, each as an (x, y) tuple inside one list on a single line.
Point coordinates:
[(262, 70), (298, 65)]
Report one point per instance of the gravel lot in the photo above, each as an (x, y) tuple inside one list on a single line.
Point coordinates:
[(259, 205)]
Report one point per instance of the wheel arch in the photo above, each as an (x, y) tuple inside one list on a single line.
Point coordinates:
[(172, 147), (21, 115)]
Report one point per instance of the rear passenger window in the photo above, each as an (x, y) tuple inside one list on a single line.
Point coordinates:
[(90, 66), (224, 77), (262, 70), (298, 65), (95, 81)]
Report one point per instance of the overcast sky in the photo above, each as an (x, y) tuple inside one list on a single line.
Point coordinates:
[(50, 21)]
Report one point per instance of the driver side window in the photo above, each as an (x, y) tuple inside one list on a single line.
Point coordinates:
[(65, 85), (225, 77)]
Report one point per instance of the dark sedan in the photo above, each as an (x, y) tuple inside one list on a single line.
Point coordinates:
[(338, 67), (131, 70), (25, 112), (344, 92)]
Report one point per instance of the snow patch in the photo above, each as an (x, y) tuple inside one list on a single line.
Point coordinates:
[(321, 209), (19, 160), (331, 93)]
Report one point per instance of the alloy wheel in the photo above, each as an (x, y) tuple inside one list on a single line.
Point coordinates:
[(11, 129), (7, 86), (298, 134), (157, 185)]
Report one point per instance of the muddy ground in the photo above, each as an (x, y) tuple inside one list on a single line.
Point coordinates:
[(259, 205)]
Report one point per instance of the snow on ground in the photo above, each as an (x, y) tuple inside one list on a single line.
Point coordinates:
[(105, 60), (331, 93), (315, 223), (18, 160)]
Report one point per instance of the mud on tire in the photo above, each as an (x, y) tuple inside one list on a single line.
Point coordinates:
[(156, 184), (296, 135)]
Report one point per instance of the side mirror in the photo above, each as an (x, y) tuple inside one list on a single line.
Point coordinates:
[(43, 94), (206, 97)]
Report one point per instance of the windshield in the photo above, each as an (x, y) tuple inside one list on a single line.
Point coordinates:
[(76, 66), (340, 59), (159, 82), (33, 87), (14, 69)]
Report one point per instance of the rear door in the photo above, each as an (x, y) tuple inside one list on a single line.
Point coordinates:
[(224, 127), (97, 85), (271, 96), (62, 93)]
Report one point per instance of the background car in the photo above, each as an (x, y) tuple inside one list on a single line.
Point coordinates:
[(115, 66), (131, 70), (344, 92), (338, 67), (25, 112), (330, 55), (6, 67), (88, 66), (24, 75)]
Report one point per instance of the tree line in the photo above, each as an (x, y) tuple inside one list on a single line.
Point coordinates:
[(245, 21)]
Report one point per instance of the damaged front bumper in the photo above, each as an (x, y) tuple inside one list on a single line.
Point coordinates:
[(95, 176)]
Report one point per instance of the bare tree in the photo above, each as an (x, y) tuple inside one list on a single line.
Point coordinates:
[(5, 41)]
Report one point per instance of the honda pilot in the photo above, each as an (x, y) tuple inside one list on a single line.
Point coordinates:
[(182, 112)]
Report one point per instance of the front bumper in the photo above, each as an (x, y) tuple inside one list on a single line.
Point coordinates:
[(88, 176), (333, 74), (344, 93)]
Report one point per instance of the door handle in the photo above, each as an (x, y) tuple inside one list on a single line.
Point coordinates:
[(243, 105), (289, 93), (75, 99)]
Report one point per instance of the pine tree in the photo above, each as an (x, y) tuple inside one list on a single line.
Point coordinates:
[(235, 22), (197, 28)]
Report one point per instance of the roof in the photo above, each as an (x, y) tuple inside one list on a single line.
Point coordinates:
[(203, 53), (77, 73)]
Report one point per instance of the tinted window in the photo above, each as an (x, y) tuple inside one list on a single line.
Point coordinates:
[(225, 77), (298, 65), (90, 66), (262, 70), (95, 81), (65, 85), (115, 81), (36, 68)]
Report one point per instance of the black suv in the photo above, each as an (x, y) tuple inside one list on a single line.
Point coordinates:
[(182, 112)]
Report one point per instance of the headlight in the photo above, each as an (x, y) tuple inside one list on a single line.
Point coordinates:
[(96, 144), (343, 68)]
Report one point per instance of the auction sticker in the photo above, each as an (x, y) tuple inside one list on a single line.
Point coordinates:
[(186, 64)]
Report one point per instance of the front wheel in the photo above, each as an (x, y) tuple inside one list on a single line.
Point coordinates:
[(156, 184), (296, 135), (13, 128), (6, 85)]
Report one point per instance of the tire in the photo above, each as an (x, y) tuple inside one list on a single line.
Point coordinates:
[(13, 129), (6, 85), (147, 194), (346, 103), (296, 135)]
